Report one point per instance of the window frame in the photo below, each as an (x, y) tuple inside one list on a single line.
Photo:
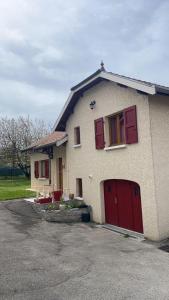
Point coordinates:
[(119, 139), (42, 168), (79, 187), (77, 136)]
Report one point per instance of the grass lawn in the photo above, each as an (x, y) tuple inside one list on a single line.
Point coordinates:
[(15, 188)]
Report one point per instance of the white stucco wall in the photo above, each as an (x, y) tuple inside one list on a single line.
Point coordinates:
[(41, 184), (132, 163), (159, 116), (37, 184)]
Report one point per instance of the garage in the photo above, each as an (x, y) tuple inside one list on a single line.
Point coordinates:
[(123, 204)]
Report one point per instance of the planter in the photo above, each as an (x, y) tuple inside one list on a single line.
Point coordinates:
[(57, 195), (62, 215), (44, 200), (39, 207), (71, 196)]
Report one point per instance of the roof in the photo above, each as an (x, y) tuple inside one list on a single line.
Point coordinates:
[(54, 138), (158, 86), (77, 91)]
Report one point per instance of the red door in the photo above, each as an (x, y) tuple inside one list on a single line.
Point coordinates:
[(123, 204), (124, 199), (111, 209)]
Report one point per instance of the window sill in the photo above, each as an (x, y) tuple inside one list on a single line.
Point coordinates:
[(42, 178), (115, 147), (77, 146)]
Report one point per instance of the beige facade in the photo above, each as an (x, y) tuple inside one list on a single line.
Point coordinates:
[(133, 162), (42, 185), (145, 162), (159, 122)]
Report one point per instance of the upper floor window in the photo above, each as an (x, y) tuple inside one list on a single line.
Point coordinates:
[(77, 135), (116, 129), (121, 128)]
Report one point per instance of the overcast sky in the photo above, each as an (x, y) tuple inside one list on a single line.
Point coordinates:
[(47, 46)]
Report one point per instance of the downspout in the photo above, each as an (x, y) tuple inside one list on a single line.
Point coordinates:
[(50, 171)]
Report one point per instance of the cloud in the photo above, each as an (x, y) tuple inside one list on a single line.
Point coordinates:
[(25, 99), (48, 46)]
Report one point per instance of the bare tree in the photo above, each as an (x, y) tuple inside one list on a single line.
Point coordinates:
[(16, 135)]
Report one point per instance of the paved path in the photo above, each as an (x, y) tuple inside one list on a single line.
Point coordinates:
[(40, 260)]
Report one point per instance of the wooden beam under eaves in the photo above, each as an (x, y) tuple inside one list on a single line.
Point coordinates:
[(140, 92), (122, 85)]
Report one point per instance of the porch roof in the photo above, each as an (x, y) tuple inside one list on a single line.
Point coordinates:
[(55, 138)]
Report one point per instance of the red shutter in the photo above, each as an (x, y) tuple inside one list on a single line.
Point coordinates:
[(131, 125), (36, 169), (46, 168), (99, 133)]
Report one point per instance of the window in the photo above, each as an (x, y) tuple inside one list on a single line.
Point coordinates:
[(79, 188), (41, 169), (116, 129), (77, 135), (121, 128)]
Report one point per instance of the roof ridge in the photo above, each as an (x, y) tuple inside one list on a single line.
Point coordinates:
[(139, 80)]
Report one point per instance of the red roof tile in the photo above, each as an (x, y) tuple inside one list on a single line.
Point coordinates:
[(48, 140)]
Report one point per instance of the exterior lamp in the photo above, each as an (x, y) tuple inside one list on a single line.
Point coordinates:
[(92, 104)]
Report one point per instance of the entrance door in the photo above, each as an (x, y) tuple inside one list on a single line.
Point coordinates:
[(123, 204), (60, 173)]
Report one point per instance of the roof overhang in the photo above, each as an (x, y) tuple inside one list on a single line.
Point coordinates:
[(57, 143), (78, 90), (62, 141)]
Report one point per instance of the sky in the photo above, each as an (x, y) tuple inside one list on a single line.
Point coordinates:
[(48, 46)]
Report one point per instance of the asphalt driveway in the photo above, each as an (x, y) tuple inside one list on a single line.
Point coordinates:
[(40, 260)]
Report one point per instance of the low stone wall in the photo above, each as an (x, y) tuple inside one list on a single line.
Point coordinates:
[(63, 216), (41, 207), (60, 216)]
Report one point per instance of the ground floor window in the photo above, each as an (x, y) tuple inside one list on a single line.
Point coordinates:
[(41, 169), (79, 187)]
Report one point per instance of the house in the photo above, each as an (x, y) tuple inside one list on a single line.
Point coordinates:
[(110, 146)]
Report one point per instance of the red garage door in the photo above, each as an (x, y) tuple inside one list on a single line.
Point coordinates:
[(123, 204)]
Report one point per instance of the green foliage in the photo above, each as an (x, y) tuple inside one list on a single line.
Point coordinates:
[(52, 206), (15, 188), (62, 200), (74, 204)]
